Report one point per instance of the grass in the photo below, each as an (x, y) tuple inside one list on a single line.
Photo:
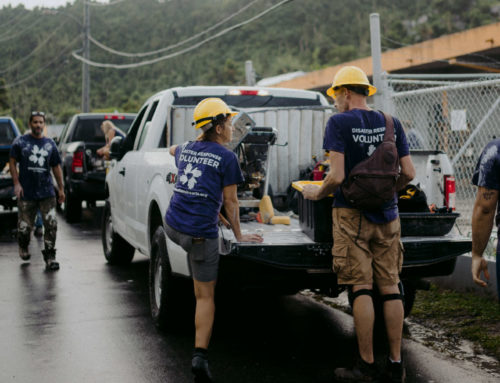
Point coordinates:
[(467, 315)]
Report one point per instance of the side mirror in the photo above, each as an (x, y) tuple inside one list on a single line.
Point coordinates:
[(114, 147)]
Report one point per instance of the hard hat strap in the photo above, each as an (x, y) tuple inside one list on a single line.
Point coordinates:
[(202, 119), (362, 90)]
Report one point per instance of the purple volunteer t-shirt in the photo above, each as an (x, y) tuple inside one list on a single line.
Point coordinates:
[(487, 173), (204, 169), (357, 133), (36, 157)]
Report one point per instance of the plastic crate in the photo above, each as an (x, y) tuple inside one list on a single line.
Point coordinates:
[(315, 218), (426, 224)]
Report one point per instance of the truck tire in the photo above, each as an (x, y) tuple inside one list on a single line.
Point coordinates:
[(117, 251), (409, 291), (160, 281), (72, 207)]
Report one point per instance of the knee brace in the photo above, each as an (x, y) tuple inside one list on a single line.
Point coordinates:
[(358, 293), (391, 297)]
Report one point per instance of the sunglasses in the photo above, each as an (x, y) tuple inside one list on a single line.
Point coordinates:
[(36, 113)]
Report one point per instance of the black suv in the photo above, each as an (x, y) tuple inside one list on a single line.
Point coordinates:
[(84, 172)]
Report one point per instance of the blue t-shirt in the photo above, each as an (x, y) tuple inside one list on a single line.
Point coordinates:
[(205, 168), (357, 133), (487, 173), (36, 157)]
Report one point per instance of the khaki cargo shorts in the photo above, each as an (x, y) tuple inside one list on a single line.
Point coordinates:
[(365, 252)]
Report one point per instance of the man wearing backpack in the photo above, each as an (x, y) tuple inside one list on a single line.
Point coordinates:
[(366, 228)]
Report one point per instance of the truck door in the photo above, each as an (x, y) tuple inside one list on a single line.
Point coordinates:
[(120, 206), (135, 185)]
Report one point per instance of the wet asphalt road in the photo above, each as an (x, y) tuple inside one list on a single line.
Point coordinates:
[(90, 322)]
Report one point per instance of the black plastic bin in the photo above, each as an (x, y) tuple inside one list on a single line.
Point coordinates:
[(426, 224), (315, 218)]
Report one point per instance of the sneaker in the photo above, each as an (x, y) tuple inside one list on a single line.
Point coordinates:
[(38, 231), (361, 372), (24, 254), (199, 367), (395, 372)]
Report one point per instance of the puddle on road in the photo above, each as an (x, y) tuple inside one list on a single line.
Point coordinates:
[(429, 335)]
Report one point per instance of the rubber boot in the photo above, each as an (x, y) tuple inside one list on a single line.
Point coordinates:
[(24, 254), (49, 256)]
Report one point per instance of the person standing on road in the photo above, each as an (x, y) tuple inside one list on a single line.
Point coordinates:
[(36, 155), (38, 232), (367, 247), (208, 175), (487, 178)]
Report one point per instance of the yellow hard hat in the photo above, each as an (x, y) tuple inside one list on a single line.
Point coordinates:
[(350, 75), (208, 109)]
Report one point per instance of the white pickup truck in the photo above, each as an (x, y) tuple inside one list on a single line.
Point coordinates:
[(141, 178)]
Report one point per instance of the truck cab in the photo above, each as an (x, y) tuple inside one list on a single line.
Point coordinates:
[(83, 170)]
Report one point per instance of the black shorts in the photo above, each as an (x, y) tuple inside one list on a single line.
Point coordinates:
[(203, 254)]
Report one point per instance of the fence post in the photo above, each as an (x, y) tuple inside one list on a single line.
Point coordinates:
[(376, 59)]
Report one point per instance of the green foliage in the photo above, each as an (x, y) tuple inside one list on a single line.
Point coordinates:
[(472, 317), (301, 35), (4, 95)]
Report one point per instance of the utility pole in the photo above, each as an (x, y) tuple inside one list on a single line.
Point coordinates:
[(249, 73), (376, 59), (86, 55)]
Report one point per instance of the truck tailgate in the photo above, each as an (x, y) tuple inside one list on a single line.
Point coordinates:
[(421, 251), (287, 246)]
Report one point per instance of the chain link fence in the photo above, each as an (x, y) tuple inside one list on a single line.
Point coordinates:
[(456, 114)]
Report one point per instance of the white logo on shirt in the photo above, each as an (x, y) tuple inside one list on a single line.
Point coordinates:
[(38, 155), (371, 149), (193, 172)]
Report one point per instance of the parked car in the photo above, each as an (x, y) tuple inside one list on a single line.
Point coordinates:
[(284, 130), (8, 132), (83, 170)]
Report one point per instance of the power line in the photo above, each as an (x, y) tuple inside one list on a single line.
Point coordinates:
[(23, 80), (158, 59), (34, 50), (10, 21), (22, 31), (170, 47)]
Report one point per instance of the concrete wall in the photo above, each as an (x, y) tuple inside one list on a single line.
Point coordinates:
[(461, 279)]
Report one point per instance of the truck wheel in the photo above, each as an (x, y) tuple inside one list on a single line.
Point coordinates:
[(409, 291), (72, 208), (117, 251), (160, 280)]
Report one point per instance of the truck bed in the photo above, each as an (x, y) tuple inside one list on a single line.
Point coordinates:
[(287, 246), (278, 234)]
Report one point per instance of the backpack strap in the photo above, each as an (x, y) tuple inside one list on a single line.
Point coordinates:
[(389, 127)]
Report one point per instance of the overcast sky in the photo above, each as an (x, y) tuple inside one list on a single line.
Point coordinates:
[(35, 3)]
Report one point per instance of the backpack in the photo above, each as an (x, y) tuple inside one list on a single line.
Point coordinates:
[(412, 199), (372, 182)]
